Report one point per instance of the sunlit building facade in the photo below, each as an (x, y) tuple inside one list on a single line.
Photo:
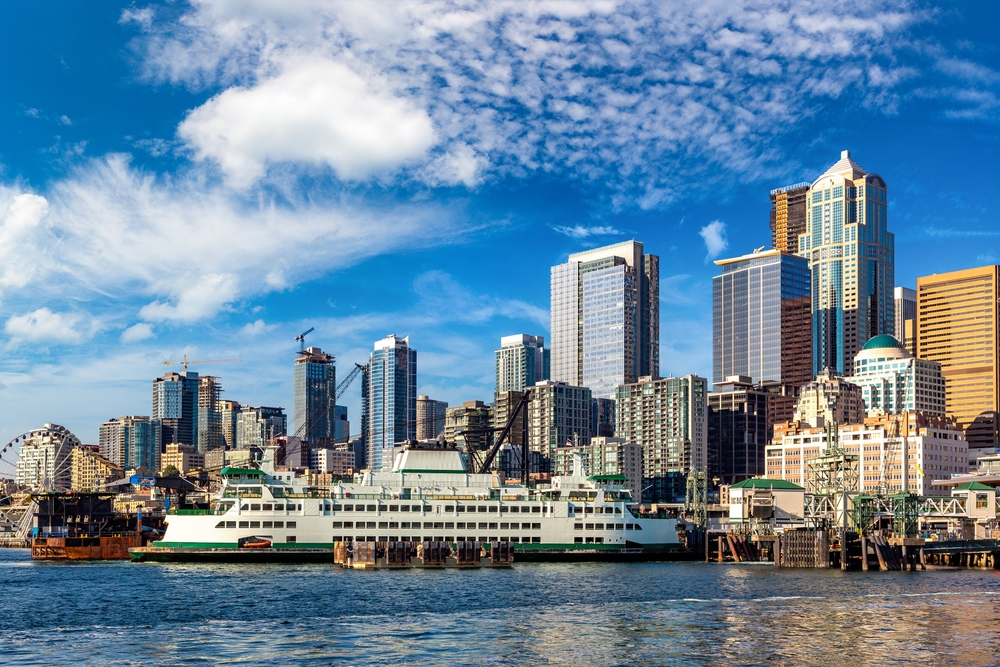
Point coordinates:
[(390, 399)]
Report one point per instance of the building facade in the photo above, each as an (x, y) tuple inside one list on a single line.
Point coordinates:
[(830, 399), (228, 411), (761, 315), (603, 456), (602, 417), (390, 399), (668, 418), (337, 462), (89, 471), (892, 381), (788, 216), (605, 317), (184, 458), (905, 300), (521, 361), (255, 426), (209, 416), (558, 416), (341, 424), (738, 430), (467, 426), (430, 417), (175, 407), (504, 403), (131, 442), (958, 327), (851, 256), (315, 387), (44, 459)]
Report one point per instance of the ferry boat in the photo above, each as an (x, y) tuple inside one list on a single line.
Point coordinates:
[(267, 514)]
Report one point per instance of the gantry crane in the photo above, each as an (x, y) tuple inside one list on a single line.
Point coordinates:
[(200, 361)]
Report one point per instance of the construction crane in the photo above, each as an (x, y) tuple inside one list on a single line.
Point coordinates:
[(487, 461), (346, 382), (200, 361), (301, 338)]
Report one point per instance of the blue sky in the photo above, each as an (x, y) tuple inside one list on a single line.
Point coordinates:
[(212, 178)]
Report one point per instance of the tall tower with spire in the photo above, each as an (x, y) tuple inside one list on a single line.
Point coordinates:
[(851, 254)]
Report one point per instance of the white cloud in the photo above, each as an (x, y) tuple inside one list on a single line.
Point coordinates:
[(43, 325), (316, 112), (581, 232), (255, 328), (461, 165), (23, 238), (65, 120), (440, 292), (714, 234), (137, 332), (203, 298)]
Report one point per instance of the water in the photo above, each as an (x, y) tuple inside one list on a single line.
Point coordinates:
[(585, 615)]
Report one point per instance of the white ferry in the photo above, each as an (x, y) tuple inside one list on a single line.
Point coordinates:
[(268, 514)]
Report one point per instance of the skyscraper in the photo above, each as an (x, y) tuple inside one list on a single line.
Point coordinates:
[(175, 407), (788, 216), (851, 254), (430, 417), (229, 410), (958, 325), (522, 361), (255, 426), (905, 301), (605, 318), (130, 442), (315, 390), (389, 400), (738, 430), (209, 415), (558, 416), (761, 310)]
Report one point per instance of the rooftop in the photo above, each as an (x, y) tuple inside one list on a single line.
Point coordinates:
[(760, 483)]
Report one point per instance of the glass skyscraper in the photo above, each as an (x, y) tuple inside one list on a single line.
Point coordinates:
[(175, 407), (605, 318), (390, 399), (315, 390), (522, 361), (851, 254)]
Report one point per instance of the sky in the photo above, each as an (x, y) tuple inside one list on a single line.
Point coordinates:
[(212, 178)]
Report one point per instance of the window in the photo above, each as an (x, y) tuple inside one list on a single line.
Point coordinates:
[(289, 538), (577, 526), (267, 524), (371, 524), (404, 508), (221, 524), (336, 507), (230, 524), (255, 507), (449, 508), (417, 508), (338, 524), (268, 507), (370, 508), (393, 525), (348, 508), (280, 524), (289, 524), (383, 525), (393, 508), (536, 526), (578, 540), (244, 524)]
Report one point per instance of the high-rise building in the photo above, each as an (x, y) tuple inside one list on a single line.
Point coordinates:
[(130, 442), (602, 417), (389, 399), (175, 407), (504, 403), (89, 471), (209, 415), (851, 255), (341, 424), (788, 216), (228, 411), (668, 418), (558, 416), (315, 393), (605, 318), (906, 318), (467, 426), (761, 314), (430, 417), (44, 459), (255, 426), (957, 326), (830, 399), (893, 381), (521, 361), (738, 430)]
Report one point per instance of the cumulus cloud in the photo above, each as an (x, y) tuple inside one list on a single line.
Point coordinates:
[(203, 298), (137, 332), (255, 328), (43, 325), (714, 235), (581, 232), (316, 112)]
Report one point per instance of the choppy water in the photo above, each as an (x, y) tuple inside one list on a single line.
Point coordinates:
[(539, 614)]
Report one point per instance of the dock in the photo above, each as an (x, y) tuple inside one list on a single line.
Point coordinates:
[(423, 555)]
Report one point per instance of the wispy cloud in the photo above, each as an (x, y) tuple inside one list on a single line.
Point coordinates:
[(45, 326), (951, 232), (714, 235), (581, 232)]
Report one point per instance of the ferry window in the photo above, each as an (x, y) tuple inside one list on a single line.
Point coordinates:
[(393, 508), (598, 540), (618, 510), (619, 526), (255, 507), (449, 539), (338, 524), (348, 508), (460, 508), (439, 525), (393, 524), (588, 510), (504, 526), (289, 538), (371, 508), (337, 508), (244, 507), (384, 525), (577, 540), (299, 507), (536, 526), (514, 540), (493, 526), (221, 524), (503, 508), (289, 524), (417, 508), (404, 508), (255, 524), (460, 525), (482, 508), (638, 527), (279, 524), (267, 524), (393, 538), (244, 524), (230, 524), (347, 524), (371, 524), (515, 509), (514, 526), (428, 524), (337, 538), (493, 508), (590, 526), (449, 508), (449, 525), (268, 507), (598, 526), (577, 526), (536, 509), (381, 508), (482, 526), (405, 525)]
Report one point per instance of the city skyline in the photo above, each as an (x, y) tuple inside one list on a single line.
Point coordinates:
[(142, 278)]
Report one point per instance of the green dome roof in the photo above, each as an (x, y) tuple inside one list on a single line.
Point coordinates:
[(883, 341)]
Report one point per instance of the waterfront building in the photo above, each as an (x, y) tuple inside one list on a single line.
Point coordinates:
[(933, 447), (228, 411), (504, 403), (521, 361), (315, 387), (761, 314), (738, 430), (668, 418), (389, 399), (175, 407), (851, 256), (558, 415), (602, 417), (209, 415), (184, 458), (341, 424), (44, 459), (605, 318), (603, 456), (467, 426), (430, 417), (893, 381), (905, 300), (255, 426), (338, 462), (89, 471), (829, 399), (788, 216), (957, 326), (130, 442)]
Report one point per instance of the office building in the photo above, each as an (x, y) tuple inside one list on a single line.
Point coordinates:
[(521, 361), (89, 471), (228, 411), (209, 416), (957, 326), (467, 426), (851, 256), (184, 458), (603, 456), (829, 399), (558, 416), (605, 318), (668, 418), (255, 426), (788, 216), (761, 315), (338, 462), (315, 392), (602, 417), (504, 404), (389, 399), (43, 461), (130, 442), (738, 430), (430, 417), (893, 381), (905, 300), (933, 447), (341, 424), (175, 407)]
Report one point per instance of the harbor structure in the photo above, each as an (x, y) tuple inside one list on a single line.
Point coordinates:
[(829, 399), (430, 417), (906, 318), (788, 216), (894, 381), (389, 399), (256, 425), (44, 459), (175, 407), (958, 326), (558, 415), (851, 257), (89, 471), (738, 430), (668, 418), (315, 390), (605, 318), (894, 453), (209, 416), (130, 442), (521, 361), (761, 325)]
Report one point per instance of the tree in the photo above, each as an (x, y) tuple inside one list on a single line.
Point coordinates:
[(171, 471)]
